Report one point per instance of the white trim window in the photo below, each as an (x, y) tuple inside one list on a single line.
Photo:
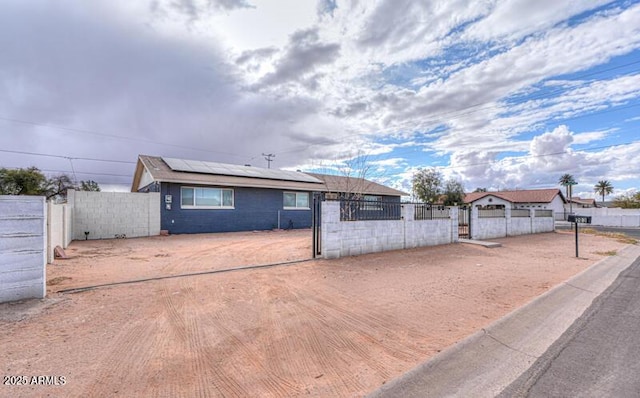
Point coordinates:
[(206, 198), (296, 201)]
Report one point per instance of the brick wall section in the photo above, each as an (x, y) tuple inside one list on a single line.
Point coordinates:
[(107, 214), (348, 238), (22, 247)]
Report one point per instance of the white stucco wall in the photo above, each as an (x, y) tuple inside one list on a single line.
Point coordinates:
[(543, 224), (487, 228), (491, 228), (519, 226), (59, 228), (23, 235), (611, 217)]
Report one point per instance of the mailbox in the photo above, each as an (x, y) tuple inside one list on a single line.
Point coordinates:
[(579, 219)]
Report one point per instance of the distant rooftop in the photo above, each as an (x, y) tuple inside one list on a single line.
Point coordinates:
[(519, 196)]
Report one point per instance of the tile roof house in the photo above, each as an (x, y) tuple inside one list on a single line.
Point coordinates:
[(519, 199), (583, 203), (202, 196)]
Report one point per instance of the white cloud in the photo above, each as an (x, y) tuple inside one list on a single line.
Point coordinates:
[(468, 82), (550, 155), (514, 19)]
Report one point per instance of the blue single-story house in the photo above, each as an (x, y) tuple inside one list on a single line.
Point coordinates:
[(198, 197)]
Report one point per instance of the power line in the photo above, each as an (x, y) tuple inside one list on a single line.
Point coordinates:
[(114, 136), (471, 109), (65, 157), (456, 114), (269, 158), (77, 172)]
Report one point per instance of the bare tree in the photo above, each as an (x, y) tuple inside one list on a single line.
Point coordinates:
[(57, 186)]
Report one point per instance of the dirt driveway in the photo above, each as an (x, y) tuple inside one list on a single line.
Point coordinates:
[(319, 328)]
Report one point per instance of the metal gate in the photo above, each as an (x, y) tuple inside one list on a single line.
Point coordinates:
[(316, 225), (464, 222)]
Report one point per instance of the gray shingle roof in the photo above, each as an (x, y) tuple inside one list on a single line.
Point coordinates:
[(220, 174)]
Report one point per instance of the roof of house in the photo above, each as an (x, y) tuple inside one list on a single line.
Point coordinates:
[(337, 184), (520, 196), (588, 201), (221, 174)]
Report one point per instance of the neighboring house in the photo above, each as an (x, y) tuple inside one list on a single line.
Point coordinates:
[(199, 196), (521, 199), (579, 203)]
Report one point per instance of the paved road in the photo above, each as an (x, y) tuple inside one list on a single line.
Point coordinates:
[(633, 232), (599, 355)]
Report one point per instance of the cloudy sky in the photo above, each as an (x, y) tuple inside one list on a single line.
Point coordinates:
[(498, 94)]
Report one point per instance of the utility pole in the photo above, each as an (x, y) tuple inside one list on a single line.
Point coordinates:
[(268, 157)]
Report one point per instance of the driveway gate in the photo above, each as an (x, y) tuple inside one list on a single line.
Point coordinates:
[(464, 222), (316, 225)]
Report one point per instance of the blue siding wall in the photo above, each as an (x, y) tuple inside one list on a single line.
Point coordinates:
[(255, 209)]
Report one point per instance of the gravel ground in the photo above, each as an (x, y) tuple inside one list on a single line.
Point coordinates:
[(317, 327)]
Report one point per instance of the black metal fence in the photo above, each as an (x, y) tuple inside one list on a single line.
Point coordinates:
[(424, 211), (359, 210)]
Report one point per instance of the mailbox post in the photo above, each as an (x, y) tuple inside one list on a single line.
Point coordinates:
[(578, 220)]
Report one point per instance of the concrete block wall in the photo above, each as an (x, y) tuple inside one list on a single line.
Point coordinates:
[(107, 214), (439, 231), (348, 238), (23, 243)]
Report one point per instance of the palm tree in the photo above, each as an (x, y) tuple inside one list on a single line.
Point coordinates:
[(603, 187), (568, 181)]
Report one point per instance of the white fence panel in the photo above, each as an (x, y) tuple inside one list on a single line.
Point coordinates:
[(22, 247), (611, 217)]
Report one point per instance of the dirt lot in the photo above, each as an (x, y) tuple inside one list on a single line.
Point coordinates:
[(319, 328)]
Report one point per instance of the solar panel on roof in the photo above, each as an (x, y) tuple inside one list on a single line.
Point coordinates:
[(197, 166)]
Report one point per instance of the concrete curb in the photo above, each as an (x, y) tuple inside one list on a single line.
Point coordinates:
[(490, 245), (486, 362)]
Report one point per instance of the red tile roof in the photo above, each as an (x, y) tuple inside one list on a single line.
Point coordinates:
[(520, 196), (588, 201)]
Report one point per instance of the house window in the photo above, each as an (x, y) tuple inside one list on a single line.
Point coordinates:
[(206, 198), (296, 200), (371, 202)]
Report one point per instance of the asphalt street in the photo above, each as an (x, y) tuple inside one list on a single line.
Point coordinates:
[(632, 232), (599, 355)]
